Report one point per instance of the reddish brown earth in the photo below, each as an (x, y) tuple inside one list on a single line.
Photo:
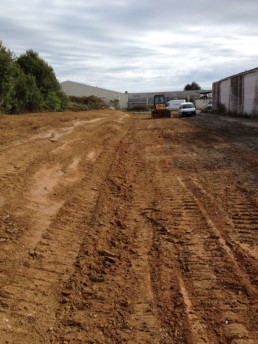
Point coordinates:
[(116, 228)]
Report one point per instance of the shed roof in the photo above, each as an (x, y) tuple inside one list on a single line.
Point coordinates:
[(239, 74)]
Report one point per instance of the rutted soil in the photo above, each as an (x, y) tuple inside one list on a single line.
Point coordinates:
[(116, 228)]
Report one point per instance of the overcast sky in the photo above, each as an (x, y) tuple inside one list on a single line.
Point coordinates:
[(135, 45)]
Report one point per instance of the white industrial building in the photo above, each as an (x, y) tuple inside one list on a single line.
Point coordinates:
[(146, 98), (237, 93), (76, 89)]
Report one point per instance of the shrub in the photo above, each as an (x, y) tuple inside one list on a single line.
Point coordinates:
[(51, 95), (27, 96), (53, 102), (92, 102), (73, 106)]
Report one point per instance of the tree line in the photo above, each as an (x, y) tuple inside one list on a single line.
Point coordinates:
[(28, 84)]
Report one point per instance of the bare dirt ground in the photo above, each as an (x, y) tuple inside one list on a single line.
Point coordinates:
[(116, 228)]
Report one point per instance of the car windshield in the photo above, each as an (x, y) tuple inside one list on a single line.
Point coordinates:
[(187, 106)]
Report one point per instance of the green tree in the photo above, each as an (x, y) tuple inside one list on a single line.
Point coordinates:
[(28, 84), (7, 77), (27, 95), (53, 102), (32, 64), (192, 86), (45, 78)]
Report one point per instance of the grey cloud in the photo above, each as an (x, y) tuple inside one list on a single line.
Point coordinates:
[(135, 45)]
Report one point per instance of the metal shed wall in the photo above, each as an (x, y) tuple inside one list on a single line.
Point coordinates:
[(250, 93), (238, 93), (225, 93)]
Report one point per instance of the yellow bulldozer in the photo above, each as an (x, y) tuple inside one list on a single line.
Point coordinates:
[(159, 110)]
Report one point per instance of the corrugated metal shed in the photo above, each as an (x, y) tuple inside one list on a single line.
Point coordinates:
[(237, 93), (71, 88)]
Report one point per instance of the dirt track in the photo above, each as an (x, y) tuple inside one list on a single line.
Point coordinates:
[(120, 229)]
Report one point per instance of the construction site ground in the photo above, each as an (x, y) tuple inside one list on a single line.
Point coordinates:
[(116, 228)]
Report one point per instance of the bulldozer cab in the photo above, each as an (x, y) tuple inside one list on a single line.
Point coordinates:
[(160, 110), (159, 99)]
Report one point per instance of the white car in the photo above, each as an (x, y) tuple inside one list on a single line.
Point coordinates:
[(209, 106), (187, 109)]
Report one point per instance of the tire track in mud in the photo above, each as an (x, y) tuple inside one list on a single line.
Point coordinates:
[(117, 300), (180, 323), (162, 269), (30, 294), (244, 215), (214, 295), (238, 177), (215, 290), (140, 251), (238, 240), (222, 242), (30, 290)]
